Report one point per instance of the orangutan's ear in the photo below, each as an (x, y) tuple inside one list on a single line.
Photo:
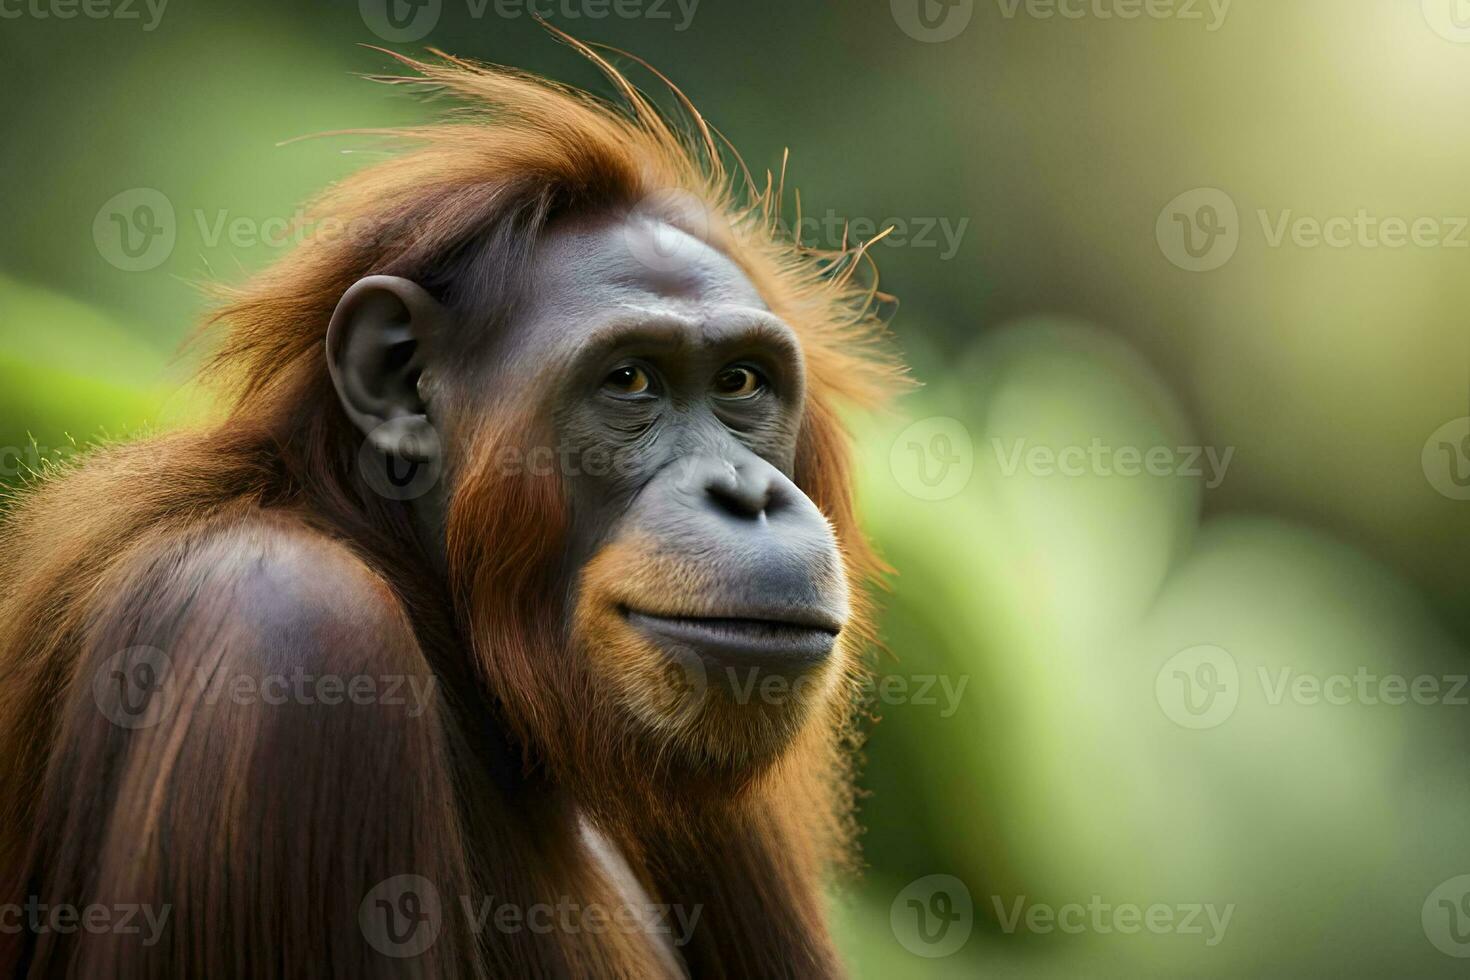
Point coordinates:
[(377, 352)]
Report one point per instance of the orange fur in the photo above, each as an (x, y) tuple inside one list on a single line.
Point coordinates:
[(516, 152)]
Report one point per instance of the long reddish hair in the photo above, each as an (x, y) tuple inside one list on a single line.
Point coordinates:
[(459, 210)]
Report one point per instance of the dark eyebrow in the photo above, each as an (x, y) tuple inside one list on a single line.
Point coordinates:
[(671, 333), (749, 326), (662, 332), (757, 333)]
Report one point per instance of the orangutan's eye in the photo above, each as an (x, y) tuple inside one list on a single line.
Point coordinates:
[(627, 381), (738, 381)]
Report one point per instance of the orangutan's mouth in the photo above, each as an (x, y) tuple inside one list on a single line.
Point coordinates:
[(743, 641)]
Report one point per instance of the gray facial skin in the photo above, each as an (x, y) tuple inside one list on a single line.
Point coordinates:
[(675, 397)]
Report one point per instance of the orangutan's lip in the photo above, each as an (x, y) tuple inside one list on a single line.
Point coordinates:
[(743, 641)]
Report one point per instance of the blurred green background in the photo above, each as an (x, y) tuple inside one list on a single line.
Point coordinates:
[(1177, 688)]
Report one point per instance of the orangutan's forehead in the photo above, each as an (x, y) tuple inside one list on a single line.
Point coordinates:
[(627, 265)]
